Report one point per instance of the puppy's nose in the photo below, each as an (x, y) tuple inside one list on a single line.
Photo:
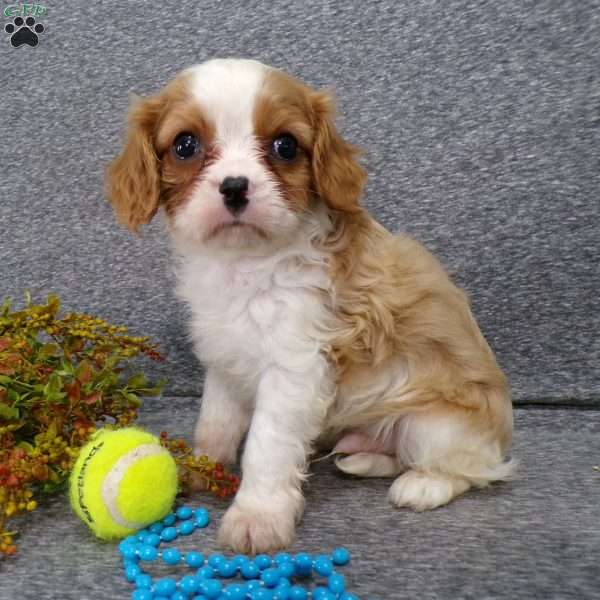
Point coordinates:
[(234, 191)]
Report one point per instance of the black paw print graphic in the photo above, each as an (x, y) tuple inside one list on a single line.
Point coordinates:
[(24, 31)]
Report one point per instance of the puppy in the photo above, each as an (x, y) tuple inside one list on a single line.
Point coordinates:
[(312, 320)]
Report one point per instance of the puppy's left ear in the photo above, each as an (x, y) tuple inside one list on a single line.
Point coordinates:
[(133, 178), (339, 179)]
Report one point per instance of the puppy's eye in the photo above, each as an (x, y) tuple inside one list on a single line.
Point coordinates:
[(186, 145), (285, 147)]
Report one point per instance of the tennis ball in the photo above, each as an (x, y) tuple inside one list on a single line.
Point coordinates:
[(122, 481)]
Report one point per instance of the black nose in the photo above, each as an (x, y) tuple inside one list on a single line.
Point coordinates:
[(234, 193)]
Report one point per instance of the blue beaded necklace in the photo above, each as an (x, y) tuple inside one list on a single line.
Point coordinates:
[(263, 577)]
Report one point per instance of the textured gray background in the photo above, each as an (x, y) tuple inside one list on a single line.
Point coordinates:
[(481, 127), (537, 537)]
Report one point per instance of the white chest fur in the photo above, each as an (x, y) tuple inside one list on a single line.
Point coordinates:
[(251, 313)]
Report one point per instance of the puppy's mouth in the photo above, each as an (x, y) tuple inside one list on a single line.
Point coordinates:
[(237, 226)]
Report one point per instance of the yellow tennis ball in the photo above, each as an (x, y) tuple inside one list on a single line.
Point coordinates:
[(123, 480)]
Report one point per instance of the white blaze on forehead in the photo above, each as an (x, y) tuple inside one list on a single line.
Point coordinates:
[(226, 90)]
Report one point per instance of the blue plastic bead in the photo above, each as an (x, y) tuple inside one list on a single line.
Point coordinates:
[(284, 583), (322, 593), (143, 581), (253, 585), (235, 591), (161, 598), (184, 512), (194, 560), (129, 562), (239, 560), (171, 556), (262, 594), (131, 572), (262, 561), (169, 520), (148, 552), (281, 593), (142, 595), (348, 596), (156, 528), (189, 584), (179, 596), (214, 560), (165, 586), (323, 565), (207, 572), (340, 556), (211, 588), (250, 571), (287, 569), (141, 534), (128, 550), (271, 577), (200, 597), (303, 564), (336, 583), (297, 592), (283, 557), (227, 568), (201, 517), (152, 539), (187, 527), (168, 534), (130, 539)]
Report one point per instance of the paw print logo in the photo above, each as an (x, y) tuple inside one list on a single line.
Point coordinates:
[(24, 31)]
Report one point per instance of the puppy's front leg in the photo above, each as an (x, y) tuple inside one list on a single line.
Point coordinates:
[(289, 410), (224, 418)]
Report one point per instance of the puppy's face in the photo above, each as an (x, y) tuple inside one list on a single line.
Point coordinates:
[(237, 153)]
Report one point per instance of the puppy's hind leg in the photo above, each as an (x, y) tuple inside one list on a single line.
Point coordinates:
[(367, 464), (364, 455), (449, 451)]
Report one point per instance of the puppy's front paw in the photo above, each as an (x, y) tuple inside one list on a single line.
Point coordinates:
[(424, 491), (252, 530)]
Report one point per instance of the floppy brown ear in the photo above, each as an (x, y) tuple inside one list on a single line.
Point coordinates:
[(339, 178), (133, 178)]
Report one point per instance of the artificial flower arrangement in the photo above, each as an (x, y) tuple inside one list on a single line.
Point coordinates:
[(62, 377)]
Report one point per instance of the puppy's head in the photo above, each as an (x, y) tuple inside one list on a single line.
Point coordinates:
[(237, 153)]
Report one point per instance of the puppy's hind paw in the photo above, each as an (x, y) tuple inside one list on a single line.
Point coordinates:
[(425, 491), (366, 464)]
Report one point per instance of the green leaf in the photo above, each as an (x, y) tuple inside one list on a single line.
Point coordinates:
[(48, 350), (66, 367), (26, 446), (8, 412), (5, 309), (133, 399), (53, 304), (54, 385), (137, 381), (55, 397)]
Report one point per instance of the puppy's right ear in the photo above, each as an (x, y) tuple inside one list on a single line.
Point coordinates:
[(133, 178)]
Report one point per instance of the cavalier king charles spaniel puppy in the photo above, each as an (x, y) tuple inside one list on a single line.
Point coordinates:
[(315, 324)]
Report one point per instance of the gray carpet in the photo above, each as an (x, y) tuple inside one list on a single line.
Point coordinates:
[(480, 123), (536, 537)]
